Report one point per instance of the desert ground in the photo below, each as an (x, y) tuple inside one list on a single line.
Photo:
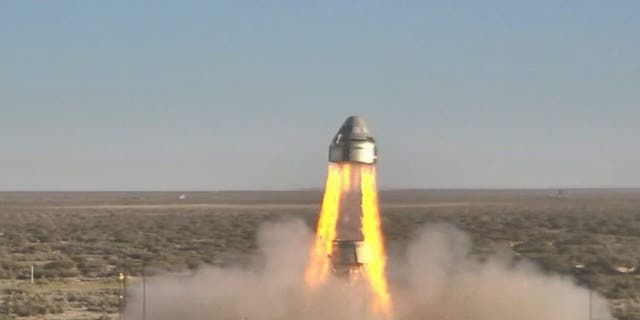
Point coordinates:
[(79, 242)]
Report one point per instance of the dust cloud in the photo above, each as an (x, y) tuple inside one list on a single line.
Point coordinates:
[(435, 279)]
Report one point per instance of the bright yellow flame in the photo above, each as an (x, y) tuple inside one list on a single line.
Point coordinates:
[(318, 267), (342, 177), (372, 233)]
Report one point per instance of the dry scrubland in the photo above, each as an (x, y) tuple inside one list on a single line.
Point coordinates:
[(78, 242)]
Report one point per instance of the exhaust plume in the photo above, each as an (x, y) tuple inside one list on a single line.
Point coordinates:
[(436, 279)]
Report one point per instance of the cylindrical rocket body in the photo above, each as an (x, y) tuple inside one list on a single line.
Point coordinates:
[(348, 257)]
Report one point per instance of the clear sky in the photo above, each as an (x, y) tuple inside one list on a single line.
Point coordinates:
[(155, 95)]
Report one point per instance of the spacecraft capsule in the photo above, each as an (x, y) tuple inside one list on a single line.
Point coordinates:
[(353, 143)]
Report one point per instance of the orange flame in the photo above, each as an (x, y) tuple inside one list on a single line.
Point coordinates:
[(342, 179), (371, 231), (318, 267)]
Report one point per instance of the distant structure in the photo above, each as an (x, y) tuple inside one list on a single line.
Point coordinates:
[(559, 194), (182, 197)]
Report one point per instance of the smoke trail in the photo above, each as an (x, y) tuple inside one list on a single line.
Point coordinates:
[(436, 279)]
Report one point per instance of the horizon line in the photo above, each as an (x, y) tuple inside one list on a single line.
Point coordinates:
[(321, 189)]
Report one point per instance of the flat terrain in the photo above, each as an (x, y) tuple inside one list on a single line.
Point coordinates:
[(78, 242)]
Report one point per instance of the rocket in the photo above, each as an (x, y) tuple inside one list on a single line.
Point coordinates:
[(353, 143), (353, 147), (349, 231)]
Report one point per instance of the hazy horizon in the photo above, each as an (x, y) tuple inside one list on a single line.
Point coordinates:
[(233, 96), (320, 189)]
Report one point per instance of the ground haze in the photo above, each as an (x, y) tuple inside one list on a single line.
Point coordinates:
[(78, 242)]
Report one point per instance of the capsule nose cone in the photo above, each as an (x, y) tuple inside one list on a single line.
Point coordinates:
[(353, 143), (354, 127)]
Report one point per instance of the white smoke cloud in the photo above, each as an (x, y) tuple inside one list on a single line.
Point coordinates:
[(437, 279), (444, 282)]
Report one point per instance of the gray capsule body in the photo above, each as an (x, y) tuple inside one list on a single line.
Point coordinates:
[(353, 143)]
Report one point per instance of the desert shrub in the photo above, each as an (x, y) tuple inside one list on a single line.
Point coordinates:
[(56, 307), (92, 267), (103, 316), (55, 269), (22, 309), (60, 264), (555, 263), (193, 262), (29, 305)]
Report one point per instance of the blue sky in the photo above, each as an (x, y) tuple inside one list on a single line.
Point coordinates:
[(158, 95)]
